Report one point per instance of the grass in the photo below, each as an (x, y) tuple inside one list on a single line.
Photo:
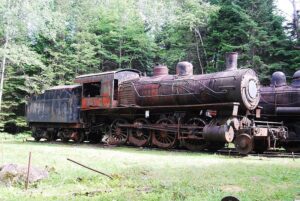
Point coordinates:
[(143, 174)]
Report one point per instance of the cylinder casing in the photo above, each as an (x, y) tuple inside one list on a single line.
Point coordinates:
[(216, 133)]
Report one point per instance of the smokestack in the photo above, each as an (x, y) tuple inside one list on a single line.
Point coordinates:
[(231, 60)]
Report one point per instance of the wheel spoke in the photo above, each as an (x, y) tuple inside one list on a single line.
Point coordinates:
[(164, 139), (195, 144), (118, 134), (139, 136)]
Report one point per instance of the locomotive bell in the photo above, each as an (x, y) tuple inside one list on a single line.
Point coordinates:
[(296, 79), (184, 68), (231, 61), (160, 70), (278, 79)]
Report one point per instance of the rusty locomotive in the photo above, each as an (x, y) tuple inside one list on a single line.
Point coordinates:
[(281, 102), (199, 112)]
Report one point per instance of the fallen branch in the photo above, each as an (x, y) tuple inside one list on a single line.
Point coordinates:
[(91, 193), (89, 168)]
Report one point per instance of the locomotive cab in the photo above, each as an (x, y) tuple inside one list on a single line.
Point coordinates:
[(100, 90)]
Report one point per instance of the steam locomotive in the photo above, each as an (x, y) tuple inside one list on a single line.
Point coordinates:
[(199, 112), (281, 102)]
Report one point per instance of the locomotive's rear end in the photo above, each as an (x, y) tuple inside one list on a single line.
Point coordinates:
[(54, 112)]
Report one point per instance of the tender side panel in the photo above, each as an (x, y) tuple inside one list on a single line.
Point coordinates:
[(55, 106)]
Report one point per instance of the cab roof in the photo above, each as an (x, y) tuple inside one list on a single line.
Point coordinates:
[(94, 77), (64, 87)]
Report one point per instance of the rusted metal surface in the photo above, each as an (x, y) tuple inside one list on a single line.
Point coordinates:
[(280, 98), (132, 108), (160, 70), (288, 110), (164, 137), (231, 61), (56, 125), (274, 132), (196, 106), (118, 135), (193, 139), (122, 75), (296, 79), (244, 143), (228, 86), (61, 87), (281, 102), (138, 135), (127, 95), (195, 133), (106, 95), (199, 89), (56, 105), (196, 111), (217, 133), (103, 97), (184, 68), (96, 77), (278, 79)]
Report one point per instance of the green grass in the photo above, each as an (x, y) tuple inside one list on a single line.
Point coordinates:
[(143, 174)]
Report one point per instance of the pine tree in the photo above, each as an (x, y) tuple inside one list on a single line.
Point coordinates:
[(253, 29)]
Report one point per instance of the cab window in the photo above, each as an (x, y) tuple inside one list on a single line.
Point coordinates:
[(92, 89), (116, 86)]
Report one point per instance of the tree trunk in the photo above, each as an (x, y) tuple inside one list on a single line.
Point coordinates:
[(202, 44), (2, 72), (120, 53), (295, 20), (198, 55)]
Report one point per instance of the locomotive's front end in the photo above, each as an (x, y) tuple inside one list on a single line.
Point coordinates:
[(237, 86), (232, 85), (246, 81)]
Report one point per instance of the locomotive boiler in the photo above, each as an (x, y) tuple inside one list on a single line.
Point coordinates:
[(281, 102), (184, 88), (194, 111)]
